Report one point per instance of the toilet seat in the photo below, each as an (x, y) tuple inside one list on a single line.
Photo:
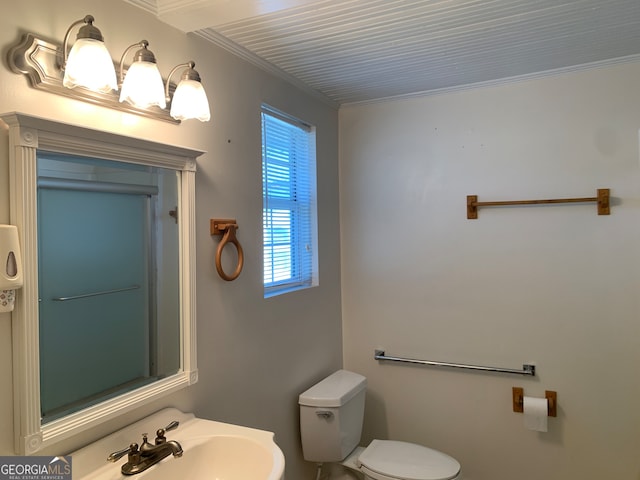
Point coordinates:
[(394, 460)]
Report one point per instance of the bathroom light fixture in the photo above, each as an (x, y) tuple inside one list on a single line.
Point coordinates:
[(190, 99), (88, 64), (49, 68), (143, 86)]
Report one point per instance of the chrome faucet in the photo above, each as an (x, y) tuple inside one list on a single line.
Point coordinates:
[(146, 455)]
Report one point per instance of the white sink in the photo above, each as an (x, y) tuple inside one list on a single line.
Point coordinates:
[(212, 450)]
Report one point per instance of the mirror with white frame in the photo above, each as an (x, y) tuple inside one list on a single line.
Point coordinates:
[(105, 321)]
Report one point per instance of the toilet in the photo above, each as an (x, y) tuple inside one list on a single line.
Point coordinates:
[(331, 414)]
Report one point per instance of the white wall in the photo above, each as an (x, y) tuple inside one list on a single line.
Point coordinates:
[(554, 285), (255, 356)]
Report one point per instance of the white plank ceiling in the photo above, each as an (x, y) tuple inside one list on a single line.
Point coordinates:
[(350, 51)]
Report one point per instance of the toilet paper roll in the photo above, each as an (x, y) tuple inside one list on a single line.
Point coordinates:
[(535, 413)]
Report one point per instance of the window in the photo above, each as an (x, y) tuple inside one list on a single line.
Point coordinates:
[(289, 203)]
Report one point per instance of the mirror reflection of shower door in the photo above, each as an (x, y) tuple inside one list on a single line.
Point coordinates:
[(93, 246)]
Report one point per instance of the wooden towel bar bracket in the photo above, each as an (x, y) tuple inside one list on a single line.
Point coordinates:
[(602, 200)]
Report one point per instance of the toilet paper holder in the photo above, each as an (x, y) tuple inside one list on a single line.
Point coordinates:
[(550, 395)]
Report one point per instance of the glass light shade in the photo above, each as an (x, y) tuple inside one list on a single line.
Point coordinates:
[(143, 86), (89, 65), (190, 101)]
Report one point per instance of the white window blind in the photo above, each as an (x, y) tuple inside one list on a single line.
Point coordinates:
[(289, 203)]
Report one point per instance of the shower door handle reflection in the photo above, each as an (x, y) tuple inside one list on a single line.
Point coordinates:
[(95, 294)]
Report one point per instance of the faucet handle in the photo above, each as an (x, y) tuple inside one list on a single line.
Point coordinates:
[(172, 426), (115, 456), (160, 438)]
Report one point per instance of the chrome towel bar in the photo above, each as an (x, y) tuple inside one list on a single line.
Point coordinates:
[(527, 369)]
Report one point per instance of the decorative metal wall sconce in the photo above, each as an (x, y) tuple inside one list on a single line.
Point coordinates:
[(87, 72), (189, 95), (88, 64), (143, 86)]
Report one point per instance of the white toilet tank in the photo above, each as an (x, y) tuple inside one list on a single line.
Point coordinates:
[(331, 414)]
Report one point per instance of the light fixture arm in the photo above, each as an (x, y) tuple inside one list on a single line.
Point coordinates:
[(87, 31), (142, 55)]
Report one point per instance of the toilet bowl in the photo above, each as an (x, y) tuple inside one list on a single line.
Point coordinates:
[(392, 460), (331, 415)]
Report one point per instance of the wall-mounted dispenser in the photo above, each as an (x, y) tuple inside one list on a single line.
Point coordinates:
[(10, 267)]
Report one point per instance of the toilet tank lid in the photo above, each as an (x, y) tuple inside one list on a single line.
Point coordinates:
[(334, 391)]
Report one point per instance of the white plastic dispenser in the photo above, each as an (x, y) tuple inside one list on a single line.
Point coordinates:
[(10, 267)]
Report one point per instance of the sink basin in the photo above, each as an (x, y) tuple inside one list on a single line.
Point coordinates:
[(212, 450), (224, 457)]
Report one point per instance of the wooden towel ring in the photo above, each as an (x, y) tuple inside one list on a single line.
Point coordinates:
[(227, 228)]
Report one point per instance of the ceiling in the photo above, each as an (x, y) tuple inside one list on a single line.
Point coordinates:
[(352, 51)]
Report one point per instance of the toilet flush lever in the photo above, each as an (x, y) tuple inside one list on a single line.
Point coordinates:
[(326, 414)]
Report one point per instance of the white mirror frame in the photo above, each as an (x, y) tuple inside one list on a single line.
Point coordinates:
[(27, 134)]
